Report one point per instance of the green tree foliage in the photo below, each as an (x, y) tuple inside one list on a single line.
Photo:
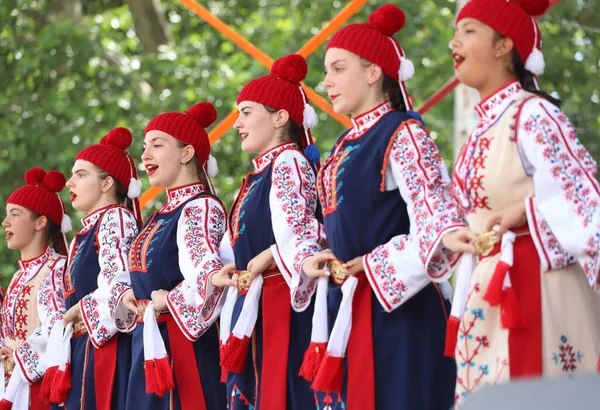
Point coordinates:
[(72, 70)]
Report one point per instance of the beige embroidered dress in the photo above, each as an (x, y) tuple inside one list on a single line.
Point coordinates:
[(525, 150)]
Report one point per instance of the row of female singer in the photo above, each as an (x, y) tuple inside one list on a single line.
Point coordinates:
[(129, 319)]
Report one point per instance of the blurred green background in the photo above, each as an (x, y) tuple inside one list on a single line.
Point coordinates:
[(71, 70)]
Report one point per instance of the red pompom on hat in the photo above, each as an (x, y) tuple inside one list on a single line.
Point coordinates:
[(189, 128), (374, 42), (281, 90), (514, 19), (40, 195), (111, 156)]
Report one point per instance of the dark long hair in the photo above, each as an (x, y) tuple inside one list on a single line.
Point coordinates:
[(526, 77), (390, 88)]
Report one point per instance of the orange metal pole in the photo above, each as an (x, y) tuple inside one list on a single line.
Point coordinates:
[(230, 33), (335, 23)]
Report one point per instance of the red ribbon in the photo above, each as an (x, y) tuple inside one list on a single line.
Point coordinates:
[(185, 367), (525, 344), (361, 366), (276, 315), (105, 367)]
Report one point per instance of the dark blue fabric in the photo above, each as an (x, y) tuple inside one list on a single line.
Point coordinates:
[(411, 371), (83, 394), (158, 268), (207, 360), (364, 217)]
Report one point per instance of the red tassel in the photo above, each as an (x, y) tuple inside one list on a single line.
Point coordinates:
[(159, 376), (330, 376), (223, 369), (312, 360), (598, 365), (510, 314), (61, 385), (47, 380), (235, 353), (452, 326), (493, 294), (5, 404)]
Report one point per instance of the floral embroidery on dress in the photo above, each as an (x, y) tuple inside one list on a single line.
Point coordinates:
[(140, 254), (194, 302), (238, 227), (471, 378), (237, 395), (567, 356), (177, 196)]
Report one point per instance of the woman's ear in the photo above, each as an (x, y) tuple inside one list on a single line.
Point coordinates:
[(374, 73), (41, 223), (187, 154), (503, 47), (280, 118)]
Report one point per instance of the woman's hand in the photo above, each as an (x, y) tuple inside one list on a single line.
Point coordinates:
[(222, 278), (260, 263), (129, 301), (159, 299), (355, 266), (315, 266), (459, 240), (72, 315)]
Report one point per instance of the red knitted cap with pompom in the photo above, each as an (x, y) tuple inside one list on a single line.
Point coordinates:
[(188, 127), (39, 195), (111, 156), (374, 41), (514, 19), (281, 88)]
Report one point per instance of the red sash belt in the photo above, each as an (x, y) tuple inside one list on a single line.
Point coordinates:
[(276, 316), (105, 367), (525, 344), (361, 366), (185, 367)]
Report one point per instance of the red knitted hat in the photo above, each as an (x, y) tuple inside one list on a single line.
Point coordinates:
[(513, 19), (111, 156), (281, 90), (189, 128), (40, 195), (374, 42)]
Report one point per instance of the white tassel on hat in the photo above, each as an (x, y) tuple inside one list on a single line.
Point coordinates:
[(406, 70), (310, 117), (135, 188), (65, 224), (535, 62), (211, 166)]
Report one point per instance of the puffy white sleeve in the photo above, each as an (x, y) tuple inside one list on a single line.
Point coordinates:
[(564, 213), (400, 268), (116, 233), (298, 234), (195, 303)]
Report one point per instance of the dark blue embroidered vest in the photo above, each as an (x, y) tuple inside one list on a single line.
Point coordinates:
[(358, 214), (83, 267), (249, 221), (154, 255)]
